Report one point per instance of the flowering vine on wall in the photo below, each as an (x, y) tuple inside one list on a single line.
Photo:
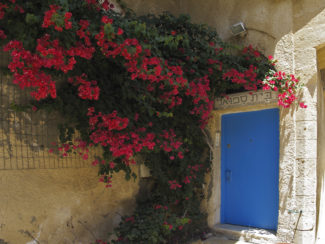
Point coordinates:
[(139, 87)]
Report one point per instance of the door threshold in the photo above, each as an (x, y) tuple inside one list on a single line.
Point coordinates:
[(244, 233)]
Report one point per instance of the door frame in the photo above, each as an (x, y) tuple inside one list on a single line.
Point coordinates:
[(224, 161), (213, 203)]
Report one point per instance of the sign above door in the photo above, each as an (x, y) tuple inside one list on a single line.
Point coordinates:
[(246, 98)]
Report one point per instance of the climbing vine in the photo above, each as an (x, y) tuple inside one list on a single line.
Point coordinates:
[(142, 89)]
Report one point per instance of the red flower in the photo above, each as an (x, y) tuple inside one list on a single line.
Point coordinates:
[(47, 21), (58, 28), (130, 219), (173, 33), (106, 20), (2, 7), (256, 53), (119, 31), (112, 165), (67, 23), (2, 35), (136, 116), (174, 185), (187, 180), (106, 5), (302, 105), (94, 163), (158, 206)]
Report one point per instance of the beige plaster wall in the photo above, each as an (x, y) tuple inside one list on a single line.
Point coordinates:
[(60, 205)]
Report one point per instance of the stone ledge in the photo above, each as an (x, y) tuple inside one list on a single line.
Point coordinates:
[(244, 233)]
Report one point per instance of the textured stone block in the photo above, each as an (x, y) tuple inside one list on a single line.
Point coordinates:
[(306, 204), (306, 149), (307, 221), (303, 114), (306, 168), (306, 130), (306, 57), (304, 237), (306, 186)]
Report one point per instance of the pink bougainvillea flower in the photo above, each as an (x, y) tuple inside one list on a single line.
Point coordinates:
[(94, 163), (106, 20), (120, 31), (67, 23), (302, 105), (158, 206), (112, 165), (2, 35)]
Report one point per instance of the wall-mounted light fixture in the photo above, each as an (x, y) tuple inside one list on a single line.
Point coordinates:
[(238, 28)]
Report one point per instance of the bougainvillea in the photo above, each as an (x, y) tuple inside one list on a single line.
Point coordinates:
[(142, 88), (287, 85)]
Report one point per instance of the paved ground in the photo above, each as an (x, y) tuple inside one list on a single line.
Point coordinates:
[(215, 240)]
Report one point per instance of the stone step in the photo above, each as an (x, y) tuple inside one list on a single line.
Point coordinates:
[(244, 234), (235, 234), (218, 240)]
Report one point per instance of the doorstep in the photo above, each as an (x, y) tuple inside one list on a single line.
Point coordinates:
[(244, 233), (216, 240)]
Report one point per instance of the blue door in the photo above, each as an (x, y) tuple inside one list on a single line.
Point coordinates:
[(250, 166)]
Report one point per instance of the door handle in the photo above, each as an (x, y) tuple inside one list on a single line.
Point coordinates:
[(228, 175)]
